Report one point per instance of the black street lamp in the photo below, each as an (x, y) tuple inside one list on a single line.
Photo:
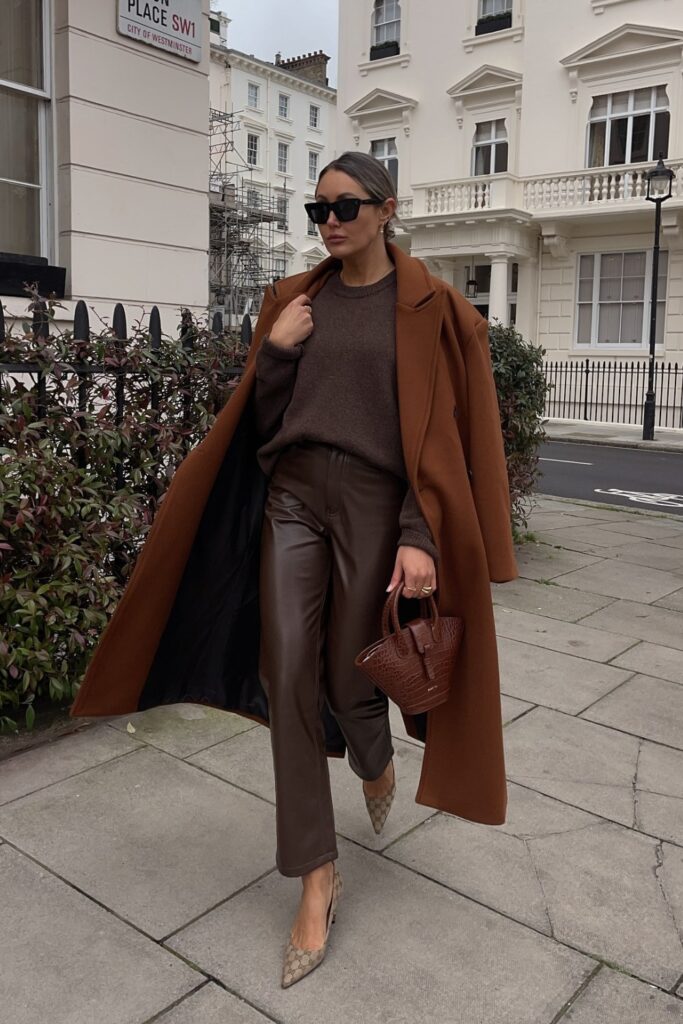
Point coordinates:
[(659, 181), (472, 287)]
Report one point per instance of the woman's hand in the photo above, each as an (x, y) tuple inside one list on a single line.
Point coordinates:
[(416, 568), (294, 323)]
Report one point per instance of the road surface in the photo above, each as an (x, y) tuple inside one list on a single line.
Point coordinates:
[(618, 476)]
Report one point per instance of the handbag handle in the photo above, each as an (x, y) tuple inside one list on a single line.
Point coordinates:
[(391, 609)]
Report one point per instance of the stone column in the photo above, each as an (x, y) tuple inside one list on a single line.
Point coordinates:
[(498, 295)]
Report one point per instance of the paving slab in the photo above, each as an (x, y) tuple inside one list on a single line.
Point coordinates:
[(654, 660), (543, 562), (562, 681), (591, 509), (644, 706), (647, 553), (403, 950), (673, 601), (212, 1005), (492, 864), (608, 536), (587, 882), (63, 757), (659, 792), (132, 832), (579, 762), (604, 898), (669, 873), (183, 729), (641, 621), (616, 998), (565, 637), (652, 529), (615, 578), (65, 960), (549, 599), (512, 708), (246, 761), (554, 520)]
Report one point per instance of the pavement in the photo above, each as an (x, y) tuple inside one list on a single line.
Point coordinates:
[(137, 874), (625, 435)]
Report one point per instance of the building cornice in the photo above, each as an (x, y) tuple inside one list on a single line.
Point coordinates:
[(289, 78)]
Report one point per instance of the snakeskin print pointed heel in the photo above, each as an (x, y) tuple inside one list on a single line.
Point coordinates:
[(379, 806), (297, 962)]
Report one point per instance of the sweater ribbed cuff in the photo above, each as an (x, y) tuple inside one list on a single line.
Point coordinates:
[(280, 351), (418, 540)]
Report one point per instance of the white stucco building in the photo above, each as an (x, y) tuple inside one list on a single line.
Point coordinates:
[(282, 125), (104, 157), (520, 132)]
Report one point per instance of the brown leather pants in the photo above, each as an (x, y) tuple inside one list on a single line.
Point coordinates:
[(328, 546)]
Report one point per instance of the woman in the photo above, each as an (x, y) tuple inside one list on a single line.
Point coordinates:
[(341, 523), (208, 614)]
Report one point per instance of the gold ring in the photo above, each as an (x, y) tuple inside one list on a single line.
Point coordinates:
[(426, 590)]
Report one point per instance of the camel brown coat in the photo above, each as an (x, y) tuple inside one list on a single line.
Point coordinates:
[(187, 625)]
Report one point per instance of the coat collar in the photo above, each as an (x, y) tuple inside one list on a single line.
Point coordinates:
[(419, 310)]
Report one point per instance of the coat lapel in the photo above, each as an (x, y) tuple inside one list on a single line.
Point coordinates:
[(418, 321)]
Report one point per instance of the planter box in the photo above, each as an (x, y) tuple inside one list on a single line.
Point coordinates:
[(15, 269), (494, 23), (380, 50)]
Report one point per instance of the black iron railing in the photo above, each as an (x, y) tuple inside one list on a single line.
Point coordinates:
[(613, 391)]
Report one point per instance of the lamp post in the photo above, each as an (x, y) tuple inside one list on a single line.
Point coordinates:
[(659, 181)]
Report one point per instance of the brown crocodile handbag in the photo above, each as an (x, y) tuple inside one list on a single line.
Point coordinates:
[(414, 665)]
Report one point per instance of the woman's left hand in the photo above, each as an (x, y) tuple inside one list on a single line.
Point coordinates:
[(416, 568)]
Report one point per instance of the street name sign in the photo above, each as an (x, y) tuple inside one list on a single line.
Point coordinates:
[(171, 25)]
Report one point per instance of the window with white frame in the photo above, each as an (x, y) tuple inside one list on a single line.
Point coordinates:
[(253, 198), (313, 116), (385, 151), (386, 22), (253, 95), (279, 267), (494, 16), (628, 127), (311, 227), (311, 264), (252, 149), (281, 207), (490, 149), (283, 105), (282, 157), (313, 165), (491, 8), (613, 302), (24, 116)]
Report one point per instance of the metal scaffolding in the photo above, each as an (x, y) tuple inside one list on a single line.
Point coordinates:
[(244, 216)]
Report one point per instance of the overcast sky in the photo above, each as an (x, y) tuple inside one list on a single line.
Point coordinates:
[(263, 27)]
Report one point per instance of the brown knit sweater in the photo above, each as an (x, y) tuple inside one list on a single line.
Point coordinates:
[(339, 387)]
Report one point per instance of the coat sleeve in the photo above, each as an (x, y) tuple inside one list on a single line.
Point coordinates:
[(485, 457)]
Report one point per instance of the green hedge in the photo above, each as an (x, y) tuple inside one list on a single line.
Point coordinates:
[(68, 535), (522, 388)]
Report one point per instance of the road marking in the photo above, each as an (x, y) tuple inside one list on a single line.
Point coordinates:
[(646, 498), (570, 462)]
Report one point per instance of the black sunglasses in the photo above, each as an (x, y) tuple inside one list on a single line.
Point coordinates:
[(344, 209)]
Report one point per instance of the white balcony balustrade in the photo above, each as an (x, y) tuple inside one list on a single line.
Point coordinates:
[(577, 191), (601, 185)]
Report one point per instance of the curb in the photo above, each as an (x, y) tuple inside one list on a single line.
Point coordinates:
[(657, 446)]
